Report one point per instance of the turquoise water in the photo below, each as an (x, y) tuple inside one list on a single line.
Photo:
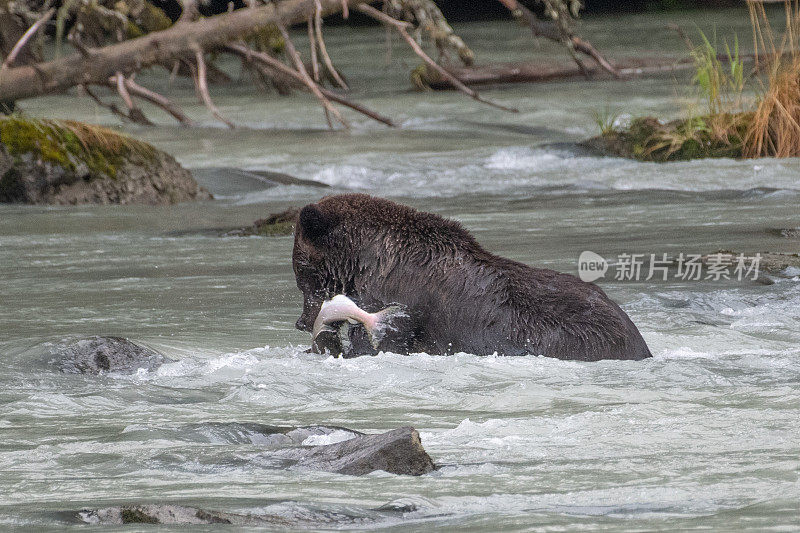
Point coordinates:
[(704, 435)]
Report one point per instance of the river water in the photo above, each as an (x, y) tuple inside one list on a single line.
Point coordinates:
[(704, 435)]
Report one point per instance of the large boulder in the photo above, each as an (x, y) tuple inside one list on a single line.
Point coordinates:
[(398, 451), (94, 355), (67, 163)]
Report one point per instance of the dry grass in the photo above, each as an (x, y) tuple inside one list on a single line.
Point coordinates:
[(775, 128), (93, 137)]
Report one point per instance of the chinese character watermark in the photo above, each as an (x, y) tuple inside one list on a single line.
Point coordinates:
[(685, 267)]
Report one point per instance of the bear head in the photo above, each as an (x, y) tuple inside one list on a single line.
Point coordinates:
[(321, 246), (372, 250)]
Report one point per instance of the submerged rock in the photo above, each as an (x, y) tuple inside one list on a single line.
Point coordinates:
[(787, 233), (67, 163), (398, 451), (234, 181), (94, 355), (275, 224), (175, 514), (280, 516)]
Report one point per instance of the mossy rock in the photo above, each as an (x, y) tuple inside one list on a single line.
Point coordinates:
[(648, 139), (68, 162), (276, 224)]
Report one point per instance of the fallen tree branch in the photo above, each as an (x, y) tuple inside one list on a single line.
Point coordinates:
[(301, 69), (544, 71), (202, 87), (550, 31), (323, 49), (134, 113), (312, 41), (251, 55), (158, 100), (111, 107), (429, 20), (401, 28), (12, 55), (158, 47)]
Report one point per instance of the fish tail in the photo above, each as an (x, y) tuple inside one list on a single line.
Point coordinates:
[(382, 323)]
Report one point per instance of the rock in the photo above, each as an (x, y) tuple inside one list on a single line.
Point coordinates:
[(327, 448), (398, 451), (275, 224), (68, 163), (235, 181), (174, 514), (94, 355), (787, 233), (287, 516)]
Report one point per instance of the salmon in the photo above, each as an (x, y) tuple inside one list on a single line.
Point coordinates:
[(340, 308)]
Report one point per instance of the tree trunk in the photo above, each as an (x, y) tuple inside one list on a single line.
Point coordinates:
[(538, 71)]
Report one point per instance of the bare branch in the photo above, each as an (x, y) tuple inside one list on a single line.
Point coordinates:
[(551, 31), (429, 20), (323, 49), (201, 81), (75, 40), (189, 11), (12, 55), (161, 101), (122, 90), (111, 107), (134, 113), (250, 55), (313, 44), (298, 63), (401, 29)]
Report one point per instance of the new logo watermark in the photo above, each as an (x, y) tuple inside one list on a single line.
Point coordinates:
[(591, 266), (684, 267)]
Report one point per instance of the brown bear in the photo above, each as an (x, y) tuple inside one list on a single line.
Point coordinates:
[(458, 296)]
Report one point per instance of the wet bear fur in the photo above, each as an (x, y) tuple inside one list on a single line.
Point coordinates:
[(458, 296)]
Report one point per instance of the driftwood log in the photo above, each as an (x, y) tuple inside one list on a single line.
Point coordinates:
[(540, 71)]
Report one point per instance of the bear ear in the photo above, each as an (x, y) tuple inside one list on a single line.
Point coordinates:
[(315, 224)]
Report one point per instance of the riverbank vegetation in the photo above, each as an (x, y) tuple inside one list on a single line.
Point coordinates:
[(730, 124)]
